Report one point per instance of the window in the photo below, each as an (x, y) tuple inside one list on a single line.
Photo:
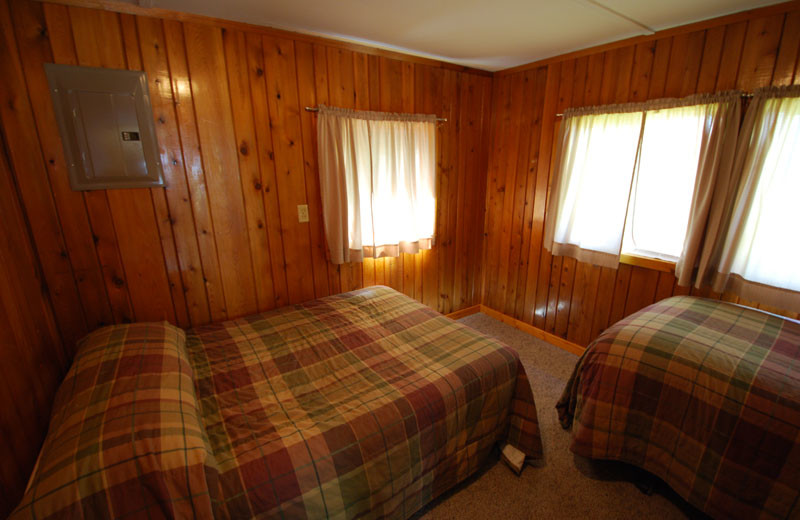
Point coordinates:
[(377, 181), (626, 177), (663, 183), (761, 253)]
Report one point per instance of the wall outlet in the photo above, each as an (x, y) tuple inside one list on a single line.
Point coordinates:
[(302, 212)]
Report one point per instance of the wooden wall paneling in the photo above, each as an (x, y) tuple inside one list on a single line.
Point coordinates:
[(32, 356), (24, 150), (59, 30), (684, 63), (267, 184), (470, 175), (284, 113), (731, 56), (479, 192), (210, 93), (238, 67), (658, 74), (304, 55), (531, 169), (562, 271), (500, 233), (194, 169), (155, 63), (786, 62), (501, 119), (643, 58), (518, 175), (642, 289), (34, 47), (712, 55), (539, 267), (158, 196), (98, 43), (450, 181), (760, 52)]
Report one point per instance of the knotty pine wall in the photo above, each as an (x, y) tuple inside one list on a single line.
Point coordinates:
[(32, 360), (560, 295), (239, 154)]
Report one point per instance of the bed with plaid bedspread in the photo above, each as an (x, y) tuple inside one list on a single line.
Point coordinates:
[(703, 394), (364, 404)]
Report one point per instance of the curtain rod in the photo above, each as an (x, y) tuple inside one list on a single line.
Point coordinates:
[(744, 95), (315, 109)]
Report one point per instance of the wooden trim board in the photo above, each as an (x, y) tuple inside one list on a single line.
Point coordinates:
[(457, 315), (536, 332)]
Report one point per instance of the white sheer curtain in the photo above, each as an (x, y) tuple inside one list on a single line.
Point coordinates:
[(638, 177), (661, 197), (761, 251), (377, 181), (592, 184)]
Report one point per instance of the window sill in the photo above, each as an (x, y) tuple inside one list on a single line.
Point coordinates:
[(648, 263)]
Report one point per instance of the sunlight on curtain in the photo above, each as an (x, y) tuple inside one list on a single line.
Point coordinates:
[(598, 152), (767, 250), (661, 197), (377, 181)]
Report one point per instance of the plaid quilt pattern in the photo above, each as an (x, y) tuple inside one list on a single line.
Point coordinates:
[(703, 394), (365, 404), (125, 438)]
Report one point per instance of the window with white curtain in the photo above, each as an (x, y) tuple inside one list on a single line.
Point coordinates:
[(377, 181), (762, 251), (663, 183), (626, 178)]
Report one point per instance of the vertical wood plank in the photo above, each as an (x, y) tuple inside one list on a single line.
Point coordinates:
[(236, 51), (284, 113), (155, 63), (209, 88), (193, 168)]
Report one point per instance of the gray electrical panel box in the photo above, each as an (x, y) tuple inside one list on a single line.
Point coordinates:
[(106, 126)]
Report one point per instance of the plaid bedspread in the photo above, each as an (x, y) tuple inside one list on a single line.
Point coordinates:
[(365, 404), (701, 393), (361, 404)]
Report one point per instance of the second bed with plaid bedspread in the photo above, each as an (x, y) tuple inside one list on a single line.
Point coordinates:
[(365, 404), (701, 393)]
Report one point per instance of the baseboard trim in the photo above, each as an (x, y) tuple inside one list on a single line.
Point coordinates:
[(457, 315), (536, 332)]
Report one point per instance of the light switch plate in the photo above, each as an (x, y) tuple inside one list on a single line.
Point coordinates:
[(302, 212)]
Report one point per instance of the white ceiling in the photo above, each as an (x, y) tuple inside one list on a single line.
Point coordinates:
[(486, 34)]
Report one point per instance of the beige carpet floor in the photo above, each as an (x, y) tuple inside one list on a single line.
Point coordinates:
[(562, 485)]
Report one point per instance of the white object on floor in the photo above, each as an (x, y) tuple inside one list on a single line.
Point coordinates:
[(514, 458)]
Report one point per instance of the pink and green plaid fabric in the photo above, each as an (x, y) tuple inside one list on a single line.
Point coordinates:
[(364, 404), (703, 394), (125, 437)]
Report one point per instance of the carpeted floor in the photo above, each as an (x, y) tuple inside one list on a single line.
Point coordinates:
[(562, 485)]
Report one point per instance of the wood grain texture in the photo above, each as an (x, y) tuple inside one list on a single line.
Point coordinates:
[(574, 300), (239, 155), (32, 357)]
